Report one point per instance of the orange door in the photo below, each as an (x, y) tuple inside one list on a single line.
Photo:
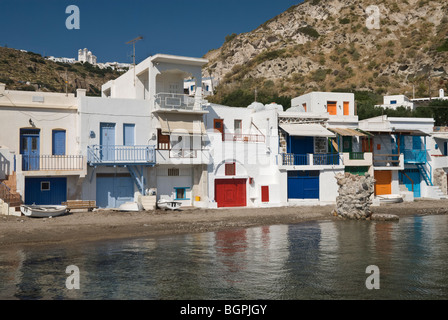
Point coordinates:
[(346, 108), (331, 107), (218, 125), (383, 184)]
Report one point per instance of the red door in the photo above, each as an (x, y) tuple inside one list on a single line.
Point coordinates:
[(264, 193), (230, 192)]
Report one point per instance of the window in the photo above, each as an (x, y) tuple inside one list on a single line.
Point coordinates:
[(173, 172), (238, 126), (304, 107), (58, 147), (181, 193), (230, 169), (45, 186), (393, 101), (331, 107), (128, 134)]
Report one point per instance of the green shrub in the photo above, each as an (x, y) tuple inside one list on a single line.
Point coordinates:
[(344, 21), (309, 31)]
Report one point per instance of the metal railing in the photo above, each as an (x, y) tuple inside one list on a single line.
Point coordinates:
[(97, 154), (414, 156), (5, 193), (356, 155), (243, 137), (52, 162), (294, 159), (326, 159), (174, 101), (309, 159)]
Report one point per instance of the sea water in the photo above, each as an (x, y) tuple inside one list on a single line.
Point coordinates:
[(311, 260)]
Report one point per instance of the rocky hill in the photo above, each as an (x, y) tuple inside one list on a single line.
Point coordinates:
[(322, 45), (21, 70)]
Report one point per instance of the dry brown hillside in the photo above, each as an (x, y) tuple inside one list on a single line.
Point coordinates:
[(325, 45), (30, 71)]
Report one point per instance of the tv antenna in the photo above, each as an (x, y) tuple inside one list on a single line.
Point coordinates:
[(133, 41)]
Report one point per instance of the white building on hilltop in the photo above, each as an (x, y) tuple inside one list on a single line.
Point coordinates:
[(86, 56)]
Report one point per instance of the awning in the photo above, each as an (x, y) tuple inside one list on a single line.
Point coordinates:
[(410, 132), (347, 132), (306, 130), (443, 136), (182, 124)]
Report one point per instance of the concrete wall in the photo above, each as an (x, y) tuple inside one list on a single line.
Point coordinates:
[(316, 102)]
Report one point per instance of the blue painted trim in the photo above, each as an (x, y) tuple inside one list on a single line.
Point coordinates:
[(185, 188)]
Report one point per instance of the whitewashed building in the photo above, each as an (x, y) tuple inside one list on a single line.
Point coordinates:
[(243, 144), (41, 159), (175, 124)]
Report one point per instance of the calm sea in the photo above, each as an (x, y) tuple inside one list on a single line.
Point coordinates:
[(313, 260)]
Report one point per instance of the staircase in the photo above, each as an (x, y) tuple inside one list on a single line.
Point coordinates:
[(8, 192), (434, 192), (424, 173)]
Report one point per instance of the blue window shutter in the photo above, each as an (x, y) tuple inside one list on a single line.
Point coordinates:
[(128, 134), (58, 142)]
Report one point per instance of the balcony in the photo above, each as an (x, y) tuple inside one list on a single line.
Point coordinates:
[(414, 156), (243, 137), (388, 161), (121, 155), (357, 158), (51, 164), (177, 102), (308, 161)]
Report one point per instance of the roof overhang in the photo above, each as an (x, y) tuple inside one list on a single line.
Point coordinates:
[(347, 132), (306, 130), (181, 124)]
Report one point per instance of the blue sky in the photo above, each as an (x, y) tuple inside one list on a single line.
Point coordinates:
[(180, 27)]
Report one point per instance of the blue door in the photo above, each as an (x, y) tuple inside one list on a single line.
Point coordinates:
[(303, 185), (29, 148), (45, 191), (414, 174), (107, 141), (112, 190), (301, 145), (58, 147)]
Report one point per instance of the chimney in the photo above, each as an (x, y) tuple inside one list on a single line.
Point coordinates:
[(2, 88), (81, 93)]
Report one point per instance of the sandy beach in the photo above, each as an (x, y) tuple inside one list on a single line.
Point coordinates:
[(79, 227)]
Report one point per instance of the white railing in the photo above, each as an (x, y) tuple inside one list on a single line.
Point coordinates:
[(174, 101)]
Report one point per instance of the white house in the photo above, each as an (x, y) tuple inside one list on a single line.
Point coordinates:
[(402, 156), (40, 155), (243, 144), (395, 101), (175, 123), (85, 55)]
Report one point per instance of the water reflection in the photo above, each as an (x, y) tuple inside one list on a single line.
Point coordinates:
[(314, 260)]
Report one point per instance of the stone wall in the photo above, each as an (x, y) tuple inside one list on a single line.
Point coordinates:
[(355, 193), (440, 179)]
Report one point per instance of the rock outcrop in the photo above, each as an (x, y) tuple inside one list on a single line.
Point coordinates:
[(354, 199)]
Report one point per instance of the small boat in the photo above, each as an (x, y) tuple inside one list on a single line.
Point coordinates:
[(43, 211), (130, 206), (390, 198), (168, 204)]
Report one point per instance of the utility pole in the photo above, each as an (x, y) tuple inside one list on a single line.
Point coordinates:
[(133, 41), (66, 83)]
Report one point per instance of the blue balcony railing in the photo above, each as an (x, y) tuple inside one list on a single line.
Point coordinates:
[(295, 159), (326, 159), (97, 154), (414, 156)]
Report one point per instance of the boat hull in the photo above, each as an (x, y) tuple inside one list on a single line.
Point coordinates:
[(169, 205), (43, 211)]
